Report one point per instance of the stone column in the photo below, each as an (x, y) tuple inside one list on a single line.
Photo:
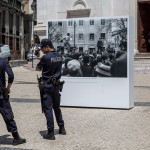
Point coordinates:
[(14, 33), (22, 37), (7, 26), (135, 23)]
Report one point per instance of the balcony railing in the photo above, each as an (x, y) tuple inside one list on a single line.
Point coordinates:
[(15, 3)]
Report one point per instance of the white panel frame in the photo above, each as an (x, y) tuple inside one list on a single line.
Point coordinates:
[(103, 92)]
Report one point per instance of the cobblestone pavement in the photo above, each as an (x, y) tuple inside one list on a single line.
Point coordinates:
[(87, 128)]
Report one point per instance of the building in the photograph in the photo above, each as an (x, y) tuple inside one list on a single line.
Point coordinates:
[(84, 34), (12, 26), (138, 9)]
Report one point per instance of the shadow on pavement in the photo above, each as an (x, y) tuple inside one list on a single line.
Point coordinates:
[(23, 82), (142, 103), (21, 100), (7, 148), (42, 133), (4, 140), (142, 86)]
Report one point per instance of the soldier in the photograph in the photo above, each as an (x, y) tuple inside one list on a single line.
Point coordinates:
[(67, 42), (99, 46), (5, 107), (50, 65)]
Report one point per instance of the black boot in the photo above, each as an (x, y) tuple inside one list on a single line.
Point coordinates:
[(49, 136), (62, 130), (17, 139)]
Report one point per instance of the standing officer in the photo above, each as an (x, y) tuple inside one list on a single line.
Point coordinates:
[(50, 65), (5, 107)]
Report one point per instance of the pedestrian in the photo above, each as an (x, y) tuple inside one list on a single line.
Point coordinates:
[(5, 107), (50, 65)]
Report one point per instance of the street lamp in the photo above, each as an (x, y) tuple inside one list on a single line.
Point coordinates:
[(33, 5), (74, 33)]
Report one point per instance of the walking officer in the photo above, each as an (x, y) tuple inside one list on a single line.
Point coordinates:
[(5, 107), (50, 65)]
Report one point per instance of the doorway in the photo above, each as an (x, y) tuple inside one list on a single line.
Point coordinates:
[(144, 26)]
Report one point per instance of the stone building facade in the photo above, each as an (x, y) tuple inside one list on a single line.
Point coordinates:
[(12, 27), (29, 23), (138, 9)]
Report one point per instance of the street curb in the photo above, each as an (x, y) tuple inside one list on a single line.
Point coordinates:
[(15, 63)]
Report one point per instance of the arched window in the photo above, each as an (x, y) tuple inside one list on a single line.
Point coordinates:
[(79, 4)]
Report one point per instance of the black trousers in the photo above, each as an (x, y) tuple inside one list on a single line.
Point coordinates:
[(51, 100), (7, 114)]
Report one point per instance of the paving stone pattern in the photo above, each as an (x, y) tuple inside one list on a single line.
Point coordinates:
[(87, 128)]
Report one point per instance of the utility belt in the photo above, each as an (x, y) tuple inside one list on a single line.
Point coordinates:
[(4, 92), (56, 82)]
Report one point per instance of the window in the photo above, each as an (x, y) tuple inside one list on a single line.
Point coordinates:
[(102, 21), (4, 19), (102, 35), (11, 23), (18, 4), (3, 39), (11, 43), (17, 43), (70, 23), (91, 36), (80, 36), (91, 22), (50, 24), (80, 22), (60, 23), (17, 25)]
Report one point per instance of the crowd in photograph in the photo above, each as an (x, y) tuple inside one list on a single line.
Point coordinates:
[(106, 61)]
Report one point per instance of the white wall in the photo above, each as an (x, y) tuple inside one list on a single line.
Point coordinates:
[(57, 9)]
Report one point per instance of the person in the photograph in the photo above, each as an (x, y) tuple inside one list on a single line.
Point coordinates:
[(74, 68), (67, 42), (86, 67), (111, 52), (62, 47), (99, 46), (123, 45), (65, 70), (119, 66), (106, 58), (5, 107), (51, 65), (102, 69)]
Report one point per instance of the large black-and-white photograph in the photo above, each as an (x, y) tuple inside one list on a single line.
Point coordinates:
[(91, 47)]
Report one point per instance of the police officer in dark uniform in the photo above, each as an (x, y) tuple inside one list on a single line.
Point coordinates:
[(50, 65), (5, 107)]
